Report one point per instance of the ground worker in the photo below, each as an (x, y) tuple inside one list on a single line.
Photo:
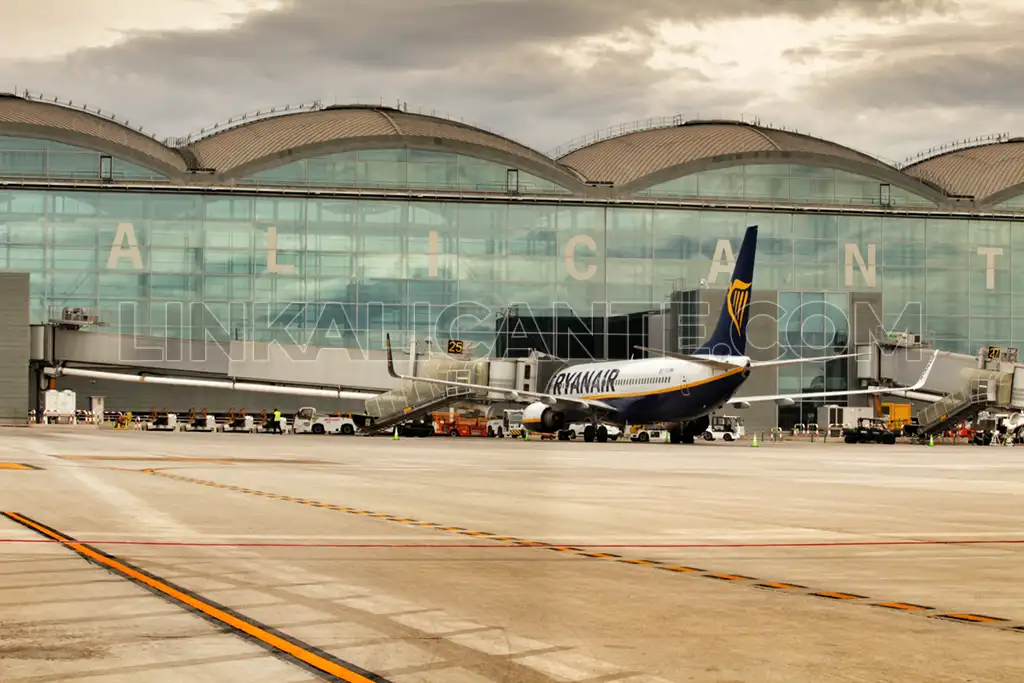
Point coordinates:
[(277, 421)]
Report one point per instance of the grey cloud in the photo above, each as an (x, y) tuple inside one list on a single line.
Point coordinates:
[(480, 59), (957, 67)]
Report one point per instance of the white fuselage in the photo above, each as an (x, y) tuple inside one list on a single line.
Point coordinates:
[(635, 378)]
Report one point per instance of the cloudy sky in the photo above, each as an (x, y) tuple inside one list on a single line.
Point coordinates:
[(890, 77)]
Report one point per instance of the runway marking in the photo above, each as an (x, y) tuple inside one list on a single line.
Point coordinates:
[(973, 618), (17, 466), (181, 458), (852, 598), (280, 644), (730, 577), (904, 606), (838, 596)]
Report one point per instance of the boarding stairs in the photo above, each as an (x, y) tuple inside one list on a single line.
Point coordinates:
[(413, 401), (982, 390)]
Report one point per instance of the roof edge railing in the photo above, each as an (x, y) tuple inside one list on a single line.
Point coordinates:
[(47, 98), (397, 104), (657, 122), (954, 146)]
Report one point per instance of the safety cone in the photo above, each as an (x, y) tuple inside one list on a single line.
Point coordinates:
[(931, 440), (753, 442), (395, 437), (526, 435)]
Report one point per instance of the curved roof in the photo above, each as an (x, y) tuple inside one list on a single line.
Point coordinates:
[(990, 171), (264, 143), (32, 118), (630, 158)]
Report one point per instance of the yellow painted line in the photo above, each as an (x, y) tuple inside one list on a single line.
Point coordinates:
[(678, 569), (296, 650), (17, 466)]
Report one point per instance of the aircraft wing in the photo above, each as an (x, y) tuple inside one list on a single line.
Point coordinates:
[(793, 361), (514, 395), (722, 365), (790, 399)]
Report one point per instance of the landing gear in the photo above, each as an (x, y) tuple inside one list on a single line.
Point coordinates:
[(688, 432), (602, 434), (588, 433)]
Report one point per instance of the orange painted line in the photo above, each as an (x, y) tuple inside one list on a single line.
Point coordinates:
[(838, 596), (684, 570), (904, 606), (604, 556), (781, 586), (16, 466), (730, 577), (250, 629), (977, 618), (639, 561)]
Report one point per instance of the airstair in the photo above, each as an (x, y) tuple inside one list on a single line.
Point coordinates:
[(414, 400), (983, 389)]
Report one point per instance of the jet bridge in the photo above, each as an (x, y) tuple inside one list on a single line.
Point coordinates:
[(958, 387), (414, 399)]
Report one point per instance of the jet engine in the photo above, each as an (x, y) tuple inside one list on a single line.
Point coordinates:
[(538, 417)]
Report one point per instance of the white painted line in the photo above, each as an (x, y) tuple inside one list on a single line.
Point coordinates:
[(327, 591), (381, 604), (452, 675), (384, 656), (436, 622), (568, 665), (498, 642), (284, 614), (335, 634)]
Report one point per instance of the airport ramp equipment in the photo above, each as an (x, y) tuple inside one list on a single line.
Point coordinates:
[(982, 389), (416, 399)]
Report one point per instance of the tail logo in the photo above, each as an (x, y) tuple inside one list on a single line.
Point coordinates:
[(738, 298)]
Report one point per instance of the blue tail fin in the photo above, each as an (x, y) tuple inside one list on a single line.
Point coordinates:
[(730, 335)]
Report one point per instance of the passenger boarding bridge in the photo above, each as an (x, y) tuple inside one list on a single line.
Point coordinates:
[(958, 386)]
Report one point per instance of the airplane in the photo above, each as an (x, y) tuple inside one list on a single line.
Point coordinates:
[(679, 389)]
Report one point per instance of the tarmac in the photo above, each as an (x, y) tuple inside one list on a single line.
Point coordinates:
[(146, 557)]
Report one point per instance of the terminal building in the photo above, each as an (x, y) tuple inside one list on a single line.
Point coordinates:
[(281, 246)]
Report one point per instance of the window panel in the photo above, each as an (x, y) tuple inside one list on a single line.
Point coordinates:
[(786, 182), (402, 167)]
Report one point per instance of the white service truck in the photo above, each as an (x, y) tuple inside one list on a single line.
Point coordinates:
[(308, 422), (725, 427)]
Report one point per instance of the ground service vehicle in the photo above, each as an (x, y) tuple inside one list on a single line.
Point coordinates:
[(460, 426), (645, 433), (307, 422), (579, 429), (869, 430), (725, 427)]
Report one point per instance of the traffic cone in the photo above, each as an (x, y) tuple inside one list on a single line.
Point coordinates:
[(395, 437), (931, 440), (526, 435), (753, 442)]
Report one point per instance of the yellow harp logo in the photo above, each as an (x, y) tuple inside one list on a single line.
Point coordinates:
[(738, 298)]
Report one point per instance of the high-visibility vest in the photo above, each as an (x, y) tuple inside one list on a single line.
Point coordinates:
[(277, 415)]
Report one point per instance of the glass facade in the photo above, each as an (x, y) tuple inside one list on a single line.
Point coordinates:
[(333, 271), (35, 158), (405, 168), (790, 183)]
